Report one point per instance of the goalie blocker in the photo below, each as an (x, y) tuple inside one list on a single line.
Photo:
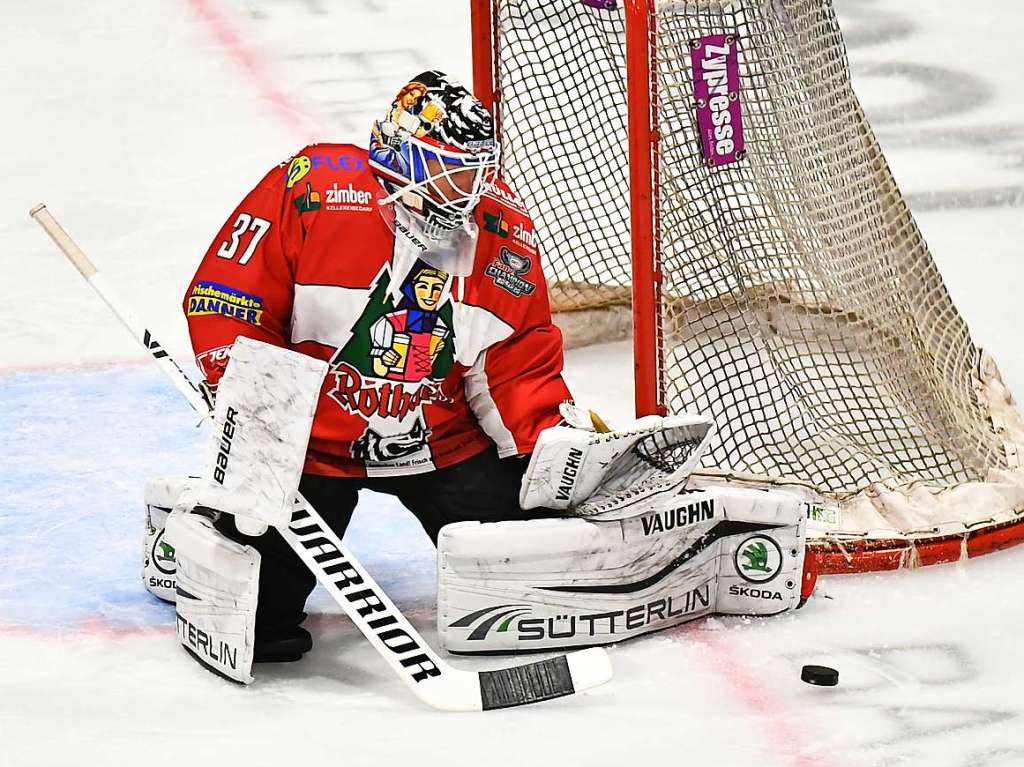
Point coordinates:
[(511, 587)]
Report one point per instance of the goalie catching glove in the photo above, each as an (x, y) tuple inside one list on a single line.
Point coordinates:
[(597, 472)]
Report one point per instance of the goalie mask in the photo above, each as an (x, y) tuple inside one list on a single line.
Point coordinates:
[(434, 152)]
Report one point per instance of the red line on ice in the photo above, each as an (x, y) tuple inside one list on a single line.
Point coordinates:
[(51, 367), (781, 723), (87, 627), (255, 72), (252, 66)]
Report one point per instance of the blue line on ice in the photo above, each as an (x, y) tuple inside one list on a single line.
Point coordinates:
[(77, 449)]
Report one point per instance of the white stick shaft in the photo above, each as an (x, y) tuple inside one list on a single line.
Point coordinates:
[(128, 318)]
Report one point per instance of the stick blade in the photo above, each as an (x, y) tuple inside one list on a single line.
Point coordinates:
[(545, 679)]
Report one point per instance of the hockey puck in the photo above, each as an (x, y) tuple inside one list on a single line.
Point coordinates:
[(823, 676)]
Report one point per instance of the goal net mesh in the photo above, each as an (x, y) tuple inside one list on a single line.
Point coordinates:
[(800, 306)]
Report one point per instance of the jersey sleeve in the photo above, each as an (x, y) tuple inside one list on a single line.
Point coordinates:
[(244, 284), (515, 387)]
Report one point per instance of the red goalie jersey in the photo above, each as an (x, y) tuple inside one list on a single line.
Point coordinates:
[(427, 368)]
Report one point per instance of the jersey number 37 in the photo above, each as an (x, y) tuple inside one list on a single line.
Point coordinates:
[(244, 224)]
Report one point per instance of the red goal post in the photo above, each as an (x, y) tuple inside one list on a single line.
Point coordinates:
[(774, 279)]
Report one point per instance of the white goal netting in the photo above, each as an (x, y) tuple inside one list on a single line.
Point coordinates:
[(800, 306)]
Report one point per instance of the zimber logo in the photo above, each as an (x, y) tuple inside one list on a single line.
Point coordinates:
[(526, 237), (347, 198), (227, 434)]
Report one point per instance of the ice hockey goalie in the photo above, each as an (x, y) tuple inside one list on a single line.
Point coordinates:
[(400, 290)]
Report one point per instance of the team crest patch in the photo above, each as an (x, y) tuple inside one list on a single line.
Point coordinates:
[(210, 298), (507, 271)]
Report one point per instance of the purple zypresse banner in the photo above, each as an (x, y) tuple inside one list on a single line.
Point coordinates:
[(716, 89)]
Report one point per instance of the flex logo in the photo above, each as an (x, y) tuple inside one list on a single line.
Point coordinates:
[(758, 559)]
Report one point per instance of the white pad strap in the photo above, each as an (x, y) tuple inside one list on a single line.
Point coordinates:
[(553, 583), (613, 474), (217, 592), (264, 414)]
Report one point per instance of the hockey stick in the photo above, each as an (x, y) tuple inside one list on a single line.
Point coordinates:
[(431, 679)]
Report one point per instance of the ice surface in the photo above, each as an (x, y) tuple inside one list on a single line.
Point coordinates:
[(141, 125)]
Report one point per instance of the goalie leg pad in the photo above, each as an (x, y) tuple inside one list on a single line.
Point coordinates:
[(158, 562), (217, 592), (557, 583), (264, 414)]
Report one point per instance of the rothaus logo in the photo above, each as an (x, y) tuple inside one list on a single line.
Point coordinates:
[(385, 399), (349, 584), (698, 511), (570, 472), (337, 197), (527, 628), (227, 434), (716, 75)]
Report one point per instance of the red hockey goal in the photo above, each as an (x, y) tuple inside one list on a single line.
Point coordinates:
[(770, 272)]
